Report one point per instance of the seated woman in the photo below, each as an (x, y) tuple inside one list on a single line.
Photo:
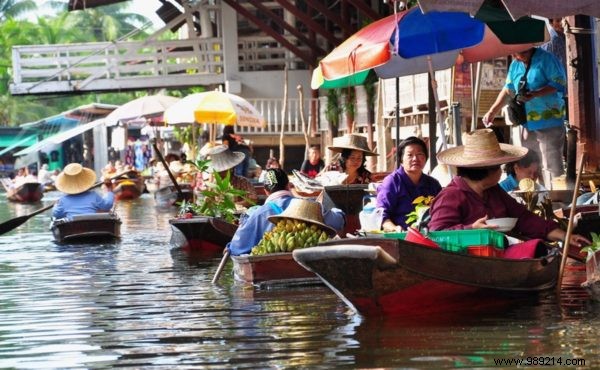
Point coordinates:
[(474, 196), (252, 229), (527, 167), (75, 181), (353, 150), (398, 189)]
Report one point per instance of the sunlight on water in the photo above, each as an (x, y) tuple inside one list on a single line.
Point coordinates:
[(139, 302)]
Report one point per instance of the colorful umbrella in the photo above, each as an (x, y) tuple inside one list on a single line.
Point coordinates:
[(145, 106), (214, 107), (519, 8)]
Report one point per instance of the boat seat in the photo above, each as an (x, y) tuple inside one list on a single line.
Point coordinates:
[(93, 216), (376, 253)]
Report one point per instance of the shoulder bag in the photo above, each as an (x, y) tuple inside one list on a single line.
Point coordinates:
[(516, 109)]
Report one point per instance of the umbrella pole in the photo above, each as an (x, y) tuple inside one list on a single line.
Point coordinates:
[(398, 159), (438, 107)]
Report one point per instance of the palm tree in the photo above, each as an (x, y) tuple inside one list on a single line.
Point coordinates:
[(14, 8), (107, 23)]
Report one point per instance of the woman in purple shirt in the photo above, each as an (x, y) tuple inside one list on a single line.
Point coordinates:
[(398, 189), (474, 195)]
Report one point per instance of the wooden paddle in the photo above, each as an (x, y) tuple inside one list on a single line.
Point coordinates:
[(221, 267), (13, 223), (166, 165), (565, 252)]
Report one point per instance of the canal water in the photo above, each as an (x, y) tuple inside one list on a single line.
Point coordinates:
[(140, 303)]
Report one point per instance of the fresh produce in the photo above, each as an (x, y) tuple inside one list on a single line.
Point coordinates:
[(288, 235)]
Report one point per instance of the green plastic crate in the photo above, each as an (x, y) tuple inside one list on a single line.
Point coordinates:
[(459, 240)]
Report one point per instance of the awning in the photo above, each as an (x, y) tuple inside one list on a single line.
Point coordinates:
[(60, 137), (24, 141)]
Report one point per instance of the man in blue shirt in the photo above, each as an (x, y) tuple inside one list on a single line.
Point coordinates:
[(76, 182)]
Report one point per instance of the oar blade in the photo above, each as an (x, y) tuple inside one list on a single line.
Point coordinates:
[(13, 223)]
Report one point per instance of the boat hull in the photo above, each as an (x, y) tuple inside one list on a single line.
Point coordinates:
[(87, 228), (273, 268), (393, 277), (203, 235), (30, 192)]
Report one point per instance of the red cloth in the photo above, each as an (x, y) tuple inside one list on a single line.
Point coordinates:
[(522, 250)]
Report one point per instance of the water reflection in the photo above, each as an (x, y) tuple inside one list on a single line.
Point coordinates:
[(140, 303)]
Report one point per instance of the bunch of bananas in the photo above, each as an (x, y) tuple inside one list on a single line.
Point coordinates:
[(288, 235)]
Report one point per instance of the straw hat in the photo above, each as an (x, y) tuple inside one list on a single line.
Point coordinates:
[(481, 149), (75, 179), (351, 141), (304, 210), (222, 159)]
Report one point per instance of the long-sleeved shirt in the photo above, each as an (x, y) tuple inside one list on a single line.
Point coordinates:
[(397, 192), (250, 232), (82, 203), (458, 206)]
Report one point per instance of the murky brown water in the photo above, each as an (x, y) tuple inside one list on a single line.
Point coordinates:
[(139, 303)]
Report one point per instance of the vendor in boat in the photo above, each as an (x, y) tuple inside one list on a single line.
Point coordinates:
[(474, 196), (223, 161), (352, 149), (527, 167), (75, 181), (400, 188), (279, 198)]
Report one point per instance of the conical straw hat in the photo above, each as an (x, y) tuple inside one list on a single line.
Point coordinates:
[(222, 159), (351, 141), (481, 149), (304, 210), (75, 179)]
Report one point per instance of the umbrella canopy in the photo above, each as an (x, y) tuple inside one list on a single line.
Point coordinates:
[(405, 43), (214, 107), (519, 8), (145, 106)]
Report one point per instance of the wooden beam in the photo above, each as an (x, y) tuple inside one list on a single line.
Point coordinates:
[(308, 59), (366, 10), (336, 18), (312, 25), (317, 51)]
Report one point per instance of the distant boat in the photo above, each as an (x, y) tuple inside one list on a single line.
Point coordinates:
[(87, 228), (169, 196), (128, 186), (28, 192)]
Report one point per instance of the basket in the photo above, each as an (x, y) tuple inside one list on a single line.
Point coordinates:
[(458, 240), (485, 251)]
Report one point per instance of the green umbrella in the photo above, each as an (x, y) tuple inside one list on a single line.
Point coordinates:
[(523, 30)]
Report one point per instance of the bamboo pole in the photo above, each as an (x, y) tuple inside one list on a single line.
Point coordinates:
[(565, 251)]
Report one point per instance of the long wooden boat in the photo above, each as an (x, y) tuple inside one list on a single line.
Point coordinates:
[(28, 192), (87, 228), (393, 277), (169, 196), (271, 269), (129, 187), (201, 235)]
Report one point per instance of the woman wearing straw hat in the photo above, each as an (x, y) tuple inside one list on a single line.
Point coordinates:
[(75, 181), (257, 223), (400, 188), (222, 161), (474, 196), (353, 150)]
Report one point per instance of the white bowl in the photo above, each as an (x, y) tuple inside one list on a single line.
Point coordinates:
[(504, 223)]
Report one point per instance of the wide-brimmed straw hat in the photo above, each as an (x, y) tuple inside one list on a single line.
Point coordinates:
[(304, 210), (222, 159), (75, 179), (353, 142), (481, 149)]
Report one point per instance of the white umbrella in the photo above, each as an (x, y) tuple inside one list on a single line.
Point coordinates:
[(146, 106)]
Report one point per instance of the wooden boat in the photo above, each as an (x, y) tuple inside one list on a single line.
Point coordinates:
[(202, 235), (87, 228), (129, 186), (271, 269), (169, 196), (28, 192), (394, 277)]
